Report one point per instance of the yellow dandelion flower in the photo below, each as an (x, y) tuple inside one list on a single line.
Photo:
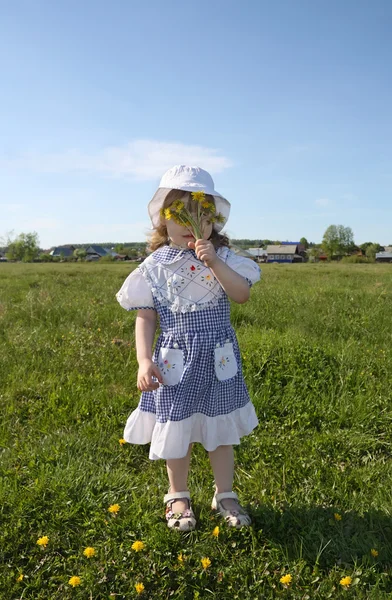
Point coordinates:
[(89, 552), (122, 442), (198, 196), (139, 587), (114, 508), (74, 581), (374, 552), (215, 533), (43, 541), (346, 581), (181, 557), (286, 579), (20, 578), (178, 206), (205, 562), (168, 214), (220, 218), (138, 546), (337, 517), (162, 212)]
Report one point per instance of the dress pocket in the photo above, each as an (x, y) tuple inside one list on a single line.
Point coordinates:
[(171, 365), (225, 362)]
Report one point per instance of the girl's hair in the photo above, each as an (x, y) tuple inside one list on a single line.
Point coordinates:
[(159, 236)]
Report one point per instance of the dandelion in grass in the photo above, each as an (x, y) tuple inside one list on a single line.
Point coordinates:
[(122, 442), (286, 580), (181, 557), (114, 508), (346, 582), (89, 552), (205, 562), (138, 546), (20, 578), (43, 541), (374, 552), (215, 532), (74, 581), (139, 587), (337, 516)]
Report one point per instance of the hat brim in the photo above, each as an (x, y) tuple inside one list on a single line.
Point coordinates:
[(221, 204)]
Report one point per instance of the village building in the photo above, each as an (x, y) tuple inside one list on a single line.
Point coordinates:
[(385, 256), (62, 251), (285, 253)]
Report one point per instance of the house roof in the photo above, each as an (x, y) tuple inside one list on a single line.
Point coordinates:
[(287, 249), (257, 251), (97, 250), (62, 250)]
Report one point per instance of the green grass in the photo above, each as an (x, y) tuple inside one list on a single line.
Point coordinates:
[(316, 343)]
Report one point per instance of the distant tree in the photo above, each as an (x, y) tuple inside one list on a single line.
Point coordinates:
[(24, 247), (372, 250), (314, 252), (338, 240), (304, 242), (80, 253), (364, 247), (45, 257)]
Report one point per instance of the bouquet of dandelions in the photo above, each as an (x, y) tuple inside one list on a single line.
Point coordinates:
[(194, 220)]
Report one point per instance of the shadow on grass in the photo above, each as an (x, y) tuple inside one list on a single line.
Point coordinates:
[(318, 536)]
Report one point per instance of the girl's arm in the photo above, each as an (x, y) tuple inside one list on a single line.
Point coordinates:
[(145, 327), (235, 286)]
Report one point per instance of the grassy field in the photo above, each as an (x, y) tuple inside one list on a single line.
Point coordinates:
[(316, 474)]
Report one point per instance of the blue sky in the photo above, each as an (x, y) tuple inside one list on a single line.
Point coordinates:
[(286, 103)]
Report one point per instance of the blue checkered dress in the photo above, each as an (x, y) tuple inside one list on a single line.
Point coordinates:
[(199, 394)]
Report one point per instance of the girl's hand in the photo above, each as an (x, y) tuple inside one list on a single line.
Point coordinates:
[(148, 370), (205, 251)]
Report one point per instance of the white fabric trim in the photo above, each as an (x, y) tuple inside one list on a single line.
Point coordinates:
[(184, 285), (175, 285), (172, 439), (244, 266), (135, 292)]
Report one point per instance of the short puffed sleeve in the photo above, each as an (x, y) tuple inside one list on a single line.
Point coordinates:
[(135, 292), (246, 267)]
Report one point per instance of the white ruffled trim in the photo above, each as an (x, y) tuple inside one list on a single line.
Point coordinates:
[(172, 439), (177, 307)]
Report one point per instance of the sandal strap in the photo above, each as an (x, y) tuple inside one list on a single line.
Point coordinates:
[(224, 495), (176, 496)]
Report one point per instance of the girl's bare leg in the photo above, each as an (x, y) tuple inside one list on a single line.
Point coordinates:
[(177, 470), (222, 463)]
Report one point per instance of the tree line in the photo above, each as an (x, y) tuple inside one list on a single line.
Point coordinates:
[(337, 241)]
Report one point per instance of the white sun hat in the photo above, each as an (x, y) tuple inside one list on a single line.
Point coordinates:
[(189, 179)]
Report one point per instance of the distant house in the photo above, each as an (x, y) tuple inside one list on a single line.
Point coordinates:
[(284, 253), (258, 254), (384, 257), (62, 251), (95, 252)]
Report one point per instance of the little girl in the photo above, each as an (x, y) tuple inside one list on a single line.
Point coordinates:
[(192, 385)]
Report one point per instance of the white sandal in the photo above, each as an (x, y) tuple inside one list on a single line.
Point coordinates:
[(234, 518), (183, 521)]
